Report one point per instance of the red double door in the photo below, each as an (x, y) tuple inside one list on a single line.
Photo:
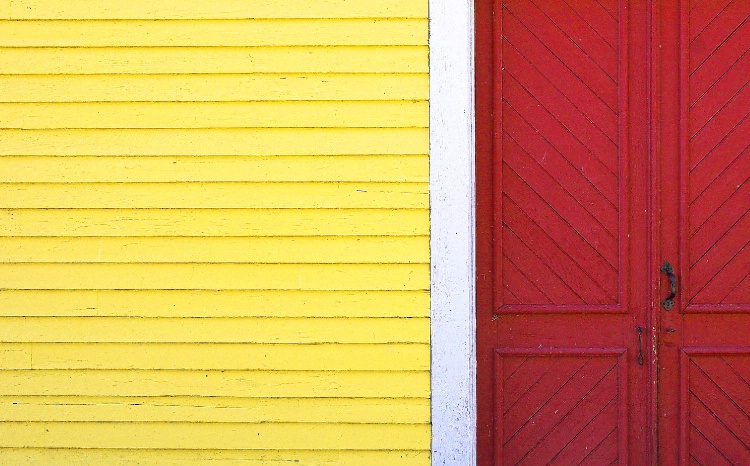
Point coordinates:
[(612, 139)]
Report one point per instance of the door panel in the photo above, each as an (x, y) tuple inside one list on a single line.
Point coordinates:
[(559, 168), (704, 164), (613, 137), (569, 218)]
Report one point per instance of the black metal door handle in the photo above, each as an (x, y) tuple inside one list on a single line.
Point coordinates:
[(669, 271)]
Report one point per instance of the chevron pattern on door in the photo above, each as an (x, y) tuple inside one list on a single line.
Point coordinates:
[(561, 139), (561, 408), (717, 62), (717, 424)]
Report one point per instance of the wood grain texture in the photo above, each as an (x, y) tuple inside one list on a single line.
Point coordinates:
[(214, 195), (82, 169), (213, 33), (216, 356), (195, 9), (212, 87), (202, 60), (215, 409), (161, 457), (241, 384), (237, 329), (198, 142), (214, 232), (147, 276), (357, 114), (269, 250), (216, 303), (214, 436)]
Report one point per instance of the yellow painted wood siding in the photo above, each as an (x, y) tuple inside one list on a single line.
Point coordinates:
[(214, 232)]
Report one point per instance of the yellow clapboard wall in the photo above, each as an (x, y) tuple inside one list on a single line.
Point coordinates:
[(214, 232)]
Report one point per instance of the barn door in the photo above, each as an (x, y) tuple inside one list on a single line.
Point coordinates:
[(613, 138), (704, 186)]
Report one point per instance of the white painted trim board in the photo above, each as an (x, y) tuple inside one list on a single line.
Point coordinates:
[(452, 247)]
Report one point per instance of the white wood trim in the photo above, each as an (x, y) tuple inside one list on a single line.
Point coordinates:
[(452, 248)]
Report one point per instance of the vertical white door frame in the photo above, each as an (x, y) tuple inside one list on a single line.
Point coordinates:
[(452, 249)]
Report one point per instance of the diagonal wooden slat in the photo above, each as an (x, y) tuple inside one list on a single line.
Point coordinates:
[(549, 64), (611, 6), (604, 453), (705, 174), (720, 222), (731, 145), (718, 434), (542, 214), (720, 134), (694, 462), (527, 261), (575, 60), (716, 258), (576, 178), (740, 365), (522, 382), (556, 409), (511, 364), (547, 206), (740, 294), (598, 18), (588, 438), (601, 143), (563, 370), (727, 279), (549, 251), (728, 98), (724, 376), (718, 64), (581, 35), (561, 169), (717, 32), (716, 401), (703, 13), (523, 289), (509, 297), (562, 140), (720, 190), (582, 252), (704, 451), (594, 402)]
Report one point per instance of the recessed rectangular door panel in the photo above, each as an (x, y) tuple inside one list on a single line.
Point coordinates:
[(566, 359), (560, 168)]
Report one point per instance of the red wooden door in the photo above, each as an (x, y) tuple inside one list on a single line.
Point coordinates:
[(613, 137), (703, 132)]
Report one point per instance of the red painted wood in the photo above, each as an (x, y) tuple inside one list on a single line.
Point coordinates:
[(600, 168)]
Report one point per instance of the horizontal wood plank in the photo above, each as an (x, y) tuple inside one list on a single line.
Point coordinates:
[(213, 436), (197, 303), (82, 169), (213, 33), (244, 384), (132, 457), (318, 250), (289, 114), (208, 60), (214, 409), (212, 87), (216, 356), (214, 195), (215, 276), (196, 9), (213, 222), (260, 141), (214, 330)]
